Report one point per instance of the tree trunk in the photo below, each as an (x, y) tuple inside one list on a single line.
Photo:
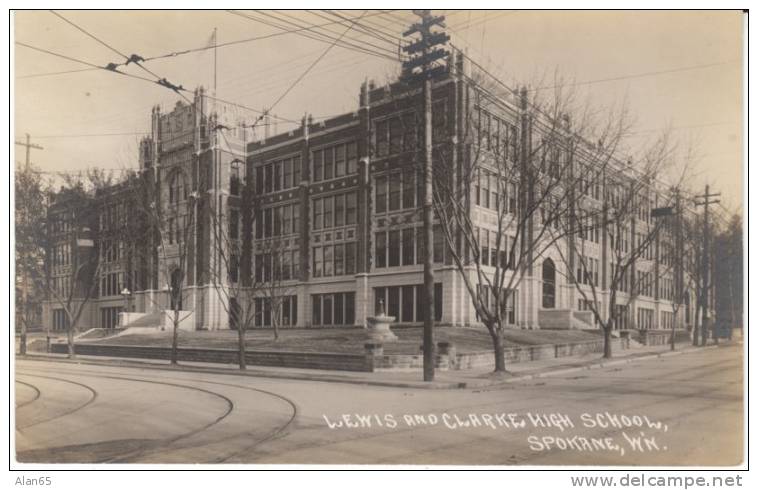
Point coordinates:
[(70, 338), (607, 351), (275, 325), (696, 325), (175, 340), (241, 347), (497, 344)]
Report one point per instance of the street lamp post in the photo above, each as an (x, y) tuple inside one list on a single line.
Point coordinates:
[(127, 296)]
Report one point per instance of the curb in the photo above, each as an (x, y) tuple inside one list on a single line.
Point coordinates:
[(325, 378)]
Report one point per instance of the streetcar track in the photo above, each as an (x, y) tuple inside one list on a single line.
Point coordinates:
[(93, 397), (37, 394), (273, 435)]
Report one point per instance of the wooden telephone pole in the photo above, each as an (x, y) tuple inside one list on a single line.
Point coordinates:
[(706, 262), (24, 294), (424, 52)]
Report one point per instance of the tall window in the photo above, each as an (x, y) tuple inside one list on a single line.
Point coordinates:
[(234, 179), (333, 309)]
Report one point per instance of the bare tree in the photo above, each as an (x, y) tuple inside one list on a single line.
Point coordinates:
[(168, 225), (502, 208), (72, 265), (628, 233)]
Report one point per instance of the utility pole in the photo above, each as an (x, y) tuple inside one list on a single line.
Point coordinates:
[(24, 294), (678, 266), (705, 261), (424, 53)]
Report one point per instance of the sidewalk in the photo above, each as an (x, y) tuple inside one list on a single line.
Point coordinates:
[(474, 378)]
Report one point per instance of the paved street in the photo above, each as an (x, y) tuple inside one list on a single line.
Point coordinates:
[(688, 406)]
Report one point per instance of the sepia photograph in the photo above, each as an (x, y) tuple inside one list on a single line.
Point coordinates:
[(363, 238)]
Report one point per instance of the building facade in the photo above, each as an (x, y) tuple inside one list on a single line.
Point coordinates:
[(333, 209)]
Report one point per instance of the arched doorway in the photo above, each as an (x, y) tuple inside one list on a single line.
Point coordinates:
[(176, 289), (548, 284)]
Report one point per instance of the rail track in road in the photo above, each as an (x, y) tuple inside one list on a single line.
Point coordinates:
[(168, 442), (93, 397), (36, 394)]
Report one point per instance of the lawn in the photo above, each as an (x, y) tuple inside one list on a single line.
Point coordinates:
[(350, 340)]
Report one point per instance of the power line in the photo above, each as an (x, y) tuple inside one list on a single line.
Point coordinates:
[(317, 36), (638, 75), (326, 51), (47, 74)]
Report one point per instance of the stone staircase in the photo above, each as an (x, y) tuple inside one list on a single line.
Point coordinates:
[(565, 319)]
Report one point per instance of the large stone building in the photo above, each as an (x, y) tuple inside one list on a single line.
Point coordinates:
[(340, 200)]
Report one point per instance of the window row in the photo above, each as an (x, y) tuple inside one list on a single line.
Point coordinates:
[(590, 230), (333, 309), (487, 192), (398, 190), (109, 316), (286, 316), (508, 301), (111, 250), (334, 260), (396, 134), (111, 284), (497, 135), (645, 318), (277, 221), (588, 271), (406, 247), (60, 320), (406, 303), (667, 320), (333, 211), (61, 255), (645, 283), (335, 161), (277, 266), (278, 175), (488, 251), (61, 285)]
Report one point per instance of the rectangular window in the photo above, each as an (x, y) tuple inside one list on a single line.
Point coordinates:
[(393, 302), (408, 246), (396, 134), (287, 219), (296, 218), (351, 205), (318, 166), (269, 178), (409, 187), (352, 158), (277, 176), (316, 318), (339, 161), (296, 171), (267, 222), (350, 253), (259, 180), (318, 261), (395, 188), (318, 214), (287, 173), (339, 210), (438, 301), (339, 259), (484, 244), (328, 163), (381, 194), (409, 131), (394, 248), (381, 249), (407, 309), (326, 309), (439, 244), (328, 261), (349, 308), (328, 212)]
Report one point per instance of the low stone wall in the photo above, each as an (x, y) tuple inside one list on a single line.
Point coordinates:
[(448, 359), (662, 337), (373, 358), (303, 360)]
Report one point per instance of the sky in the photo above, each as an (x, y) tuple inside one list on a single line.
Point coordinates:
[(679, 70)]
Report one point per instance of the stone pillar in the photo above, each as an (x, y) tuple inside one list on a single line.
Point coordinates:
[(363, 300)]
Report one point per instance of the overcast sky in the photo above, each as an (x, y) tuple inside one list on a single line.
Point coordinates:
[(677, 69)]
